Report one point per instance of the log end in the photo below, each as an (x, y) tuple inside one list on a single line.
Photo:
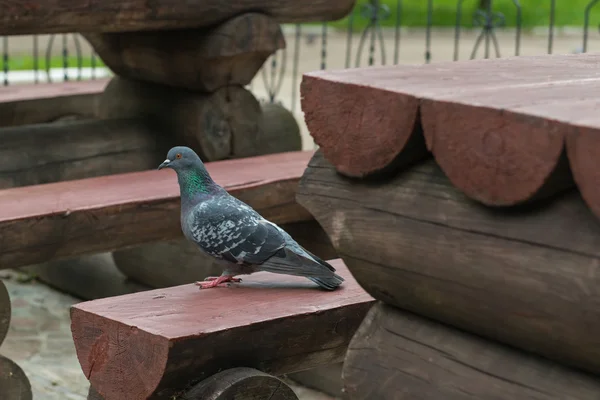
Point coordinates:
[(5, 311), (368, 129), (14, 384), (497, 158), (110, 352), (582, 150), (241, 383)]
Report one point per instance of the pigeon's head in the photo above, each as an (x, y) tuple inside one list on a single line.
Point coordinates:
[(181, 158)]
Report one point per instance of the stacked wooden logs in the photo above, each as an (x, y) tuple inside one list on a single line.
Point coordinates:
[(14, 384), (484, 257)]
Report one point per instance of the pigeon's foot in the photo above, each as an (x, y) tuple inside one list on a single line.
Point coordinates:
[(213, 281)]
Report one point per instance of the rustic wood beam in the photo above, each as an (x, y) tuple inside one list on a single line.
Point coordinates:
[(194, 59), (60, 220), (418, 243), (496, 127), (396, 354), (66, 16), (46, 102), (152, 344), (78, 149)]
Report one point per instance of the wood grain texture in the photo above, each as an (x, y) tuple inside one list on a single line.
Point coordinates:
[(363, 130), (240, 384), (152, 344), (582, 148), (5, 311), (211, 124), (60, 220), (496, 127), (179, 261), (66, 16), (88, 277), (194, 59), (418, 243), (14, 384), (69, 150), (39, 103), (397, 355)]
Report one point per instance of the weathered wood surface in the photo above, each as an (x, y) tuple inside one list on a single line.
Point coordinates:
[(88, 277), (148, 344), (399, 355), (240, 384), (146, 263), (212, 124), (496, 127), (5, 312), (14, 384), (582, 148), (67, 150), (65, 219), (278, 131), (418, 243), (325, 379), (195, 59), (40, 103), (66, 16)]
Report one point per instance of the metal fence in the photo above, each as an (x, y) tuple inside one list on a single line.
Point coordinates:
[(311, 47)]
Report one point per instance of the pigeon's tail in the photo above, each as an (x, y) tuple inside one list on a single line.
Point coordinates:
[(295, 260), (329, 283)]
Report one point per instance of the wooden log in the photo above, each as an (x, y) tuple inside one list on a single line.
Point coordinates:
[(146, 263), (211, 124), (43, 153), (363, 130), (196, 59), (499, 135), (287, 323), (5, 311), (89, 277), (66, 219), (39, 103), (399, 355), (582, 150), (418, 243), (240, 384), (14, 384), (66, 16)]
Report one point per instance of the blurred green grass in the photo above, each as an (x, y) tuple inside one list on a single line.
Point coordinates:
[(534, 13), (27, 62)]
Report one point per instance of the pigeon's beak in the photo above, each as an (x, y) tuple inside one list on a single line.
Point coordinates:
[(165, 164)]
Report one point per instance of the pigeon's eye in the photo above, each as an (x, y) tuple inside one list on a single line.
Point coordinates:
[(178, 156)]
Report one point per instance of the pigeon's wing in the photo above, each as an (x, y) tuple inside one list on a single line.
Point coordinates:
[(228, 229)]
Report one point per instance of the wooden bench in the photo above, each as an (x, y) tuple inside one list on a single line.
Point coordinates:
[(46, 102), (155, 344), (64, 219), (463, 210)]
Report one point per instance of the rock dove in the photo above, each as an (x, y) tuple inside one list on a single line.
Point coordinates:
[(234, 233)]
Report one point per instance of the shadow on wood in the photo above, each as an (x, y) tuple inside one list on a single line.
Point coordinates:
[(90, 277), (154, 343), (395, 354)]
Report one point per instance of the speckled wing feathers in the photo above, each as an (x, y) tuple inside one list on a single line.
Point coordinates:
[(228, 229)]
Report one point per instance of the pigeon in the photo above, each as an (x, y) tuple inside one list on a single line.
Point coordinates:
[(231, 231)]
